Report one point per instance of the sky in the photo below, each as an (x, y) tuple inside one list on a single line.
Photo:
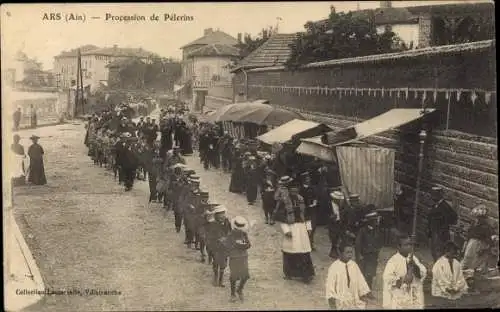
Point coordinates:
[(23, 27)]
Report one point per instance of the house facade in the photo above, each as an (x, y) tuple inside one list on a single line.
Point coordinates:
[(94, 63), (206, 63)]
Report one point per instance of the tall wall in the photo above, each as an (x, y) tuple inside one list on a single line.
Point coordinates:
[(461, 151)]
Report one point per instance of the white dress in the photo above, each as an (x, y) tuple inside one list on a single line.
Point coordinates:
[(347, 297), (407, 296), (443, 278), (299, 242)]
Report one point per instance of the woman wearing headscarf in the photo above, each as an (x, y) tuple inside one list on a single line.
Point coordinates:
[(19, 175), (480, 240), (36, 171)]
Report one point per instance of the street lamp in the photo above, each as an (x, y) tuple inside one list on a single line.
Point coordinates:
[(422, 135)]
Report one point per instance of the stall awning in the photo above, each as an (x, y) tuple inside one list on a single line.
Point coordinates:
[(286, 131), (387, 121), (314, 147)]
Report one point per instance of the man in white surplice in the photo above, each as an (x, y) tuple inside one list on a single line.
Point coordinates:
[(448, 282), (296, 226), (346, 288), (402, 279)]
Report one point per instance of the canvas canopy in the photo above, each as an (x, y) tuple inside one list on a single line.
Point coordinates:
[(296, 127), (369, 172), (389, 120), (314, 147)]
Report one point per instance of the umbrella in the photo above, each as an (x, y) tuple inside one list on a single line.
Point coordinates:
[(261, 114), (216, 116)]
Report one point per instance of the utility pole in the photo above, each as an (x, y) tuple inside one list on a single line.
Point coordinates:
[(79, 85)]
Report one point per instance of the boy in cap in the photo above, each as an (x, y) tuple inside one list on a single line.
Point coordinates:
[(448, 282), (237, 244), (221, 228), (189, 213), (368, 245)]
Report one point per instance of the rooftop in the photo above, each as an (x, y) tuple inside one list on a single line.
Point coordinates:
[(410, 15), (109, 51), (216, 50), (425, 52), (213, 37), (274, 52)]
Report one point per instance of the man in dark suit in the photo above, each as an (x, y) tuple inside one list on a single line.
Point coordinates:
[(440, 218)]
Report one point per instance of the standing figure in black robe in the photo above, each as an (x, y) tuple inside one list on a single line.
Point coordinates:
[(252, 180), (33, 117), (237, 175), (36, 170), (17, 118)]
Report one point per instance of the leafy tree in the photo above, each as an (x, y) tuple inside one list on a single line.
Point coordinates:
[(159, 73), (344, 35)]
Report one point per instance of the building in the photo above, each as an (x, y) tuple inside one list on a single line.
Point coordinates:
[(24, 72), (432, 25), (205, 61), (94, 63)]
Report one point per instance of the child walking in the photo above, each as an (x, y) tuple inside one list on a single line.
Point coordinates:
[(237, 244)]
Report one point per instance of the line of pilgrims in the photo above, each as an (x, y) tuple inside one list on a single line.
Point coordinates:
[(298, 198)]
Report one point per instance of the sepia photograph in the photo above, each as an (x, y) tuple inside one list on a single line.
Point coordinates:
[(219, 156)]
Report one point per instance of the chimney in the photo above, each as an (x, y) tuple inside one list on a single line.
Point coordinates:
[(385, 4), (239, 37), (208, 31)]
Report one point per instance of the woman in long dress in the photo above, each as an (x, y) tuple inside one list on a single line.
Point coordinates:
[(36, 170), (237, 175), (251, 180)]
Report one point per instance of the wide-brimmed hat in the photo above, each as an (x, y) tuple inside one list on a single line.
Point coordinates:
[(353, 196), (371, 215), (179, 165), (251, 157), (126, 135), (220, 208), (285, 180), (337, 195), (240, 223), (34, 137)]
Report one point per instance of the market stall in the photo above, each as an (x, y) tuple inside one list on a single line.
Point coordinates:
[(365, 169)]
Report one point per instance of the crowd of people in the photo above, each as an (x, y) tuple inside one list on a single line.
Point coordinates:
[(298, 195)]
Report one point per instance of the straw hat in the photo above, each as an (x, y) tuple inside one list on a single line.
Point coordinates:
[(179, 165), (337, 195), (240, 223), (34, 137), (285, 180)]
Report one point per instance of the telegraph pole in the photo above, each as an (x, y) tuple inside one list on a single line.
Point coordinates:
[(79, 85)]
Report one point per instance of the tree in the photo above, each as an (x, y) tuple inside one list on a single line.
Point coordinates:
[(159, 73), (344, 35)]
